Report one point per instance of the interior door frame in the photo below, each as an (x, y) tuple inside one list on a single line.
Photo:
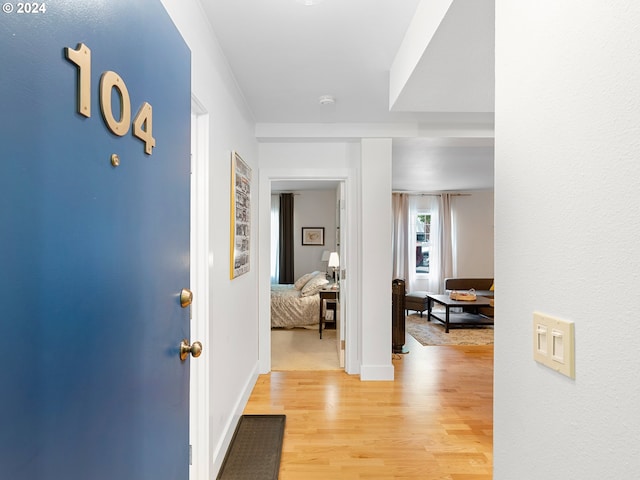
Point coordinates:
[(199, 461), (342, 251), (350, 264)]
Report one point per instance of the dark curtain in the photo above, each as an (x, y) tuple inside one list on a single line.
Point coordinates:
[(286, 238)]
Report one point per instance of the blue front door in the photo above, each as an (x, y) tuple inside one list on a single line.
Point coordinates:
[(94, 232)]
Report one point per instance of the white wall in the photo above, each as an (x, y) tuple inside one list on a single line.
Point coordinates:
[(473, 232), (368, 350), (376, 258), (313, 208), (567, 229), (233, 349), (311, 161)]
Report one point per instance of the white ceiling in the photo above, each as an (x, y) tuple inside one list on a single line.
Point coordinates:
[(431, 60)]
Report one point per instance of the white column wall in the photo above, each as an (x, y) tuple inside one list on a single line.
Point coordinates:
[(567, 228), (375, 253)]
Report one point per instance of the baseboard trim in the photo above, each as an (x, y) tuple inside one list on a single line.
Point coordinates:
[(224, 442), (376, 372)]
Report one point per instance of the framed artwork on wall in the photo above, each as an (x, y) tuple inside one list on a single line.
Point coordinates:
[(312, 235), (240, 215)]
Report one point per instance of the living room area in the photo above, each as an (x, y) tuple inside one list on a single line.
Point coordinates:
[(471, 256)]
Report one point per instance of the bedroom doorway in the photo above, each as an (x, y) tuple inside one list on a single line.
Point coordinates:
[(301, 348)]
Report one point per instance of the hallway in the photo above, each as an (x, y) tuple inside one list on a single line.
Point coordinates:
[(434, 422)]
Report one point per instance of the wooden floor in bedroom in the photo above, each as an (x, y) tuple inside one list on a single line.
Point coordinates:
[(435, 421)]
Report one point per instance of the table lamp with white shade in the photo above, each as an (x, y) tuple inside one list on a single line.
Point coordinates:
[(334, 263)]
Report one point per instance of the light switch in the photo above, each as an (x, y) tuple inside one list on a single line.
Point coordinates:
[(542, 339), (557, 352), (553, 343)]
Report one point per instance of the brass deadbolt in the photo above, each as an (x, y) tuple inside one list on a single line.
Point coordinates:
[(186, 297), (185, 349)]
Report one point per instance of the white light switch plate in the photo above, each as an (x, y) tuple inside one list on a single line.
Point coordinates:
[(553, 343)]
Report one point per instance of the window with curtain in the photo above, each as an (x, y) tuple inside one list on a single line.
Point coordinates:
[(424, 241), (421, 240)]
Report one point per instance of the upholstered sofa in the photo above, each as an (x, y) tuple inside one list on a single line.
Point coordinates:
[(417, 300), (482, 286)]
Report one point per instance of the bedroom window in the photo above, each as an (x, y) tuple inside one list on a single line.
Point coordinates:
[(423, 242)]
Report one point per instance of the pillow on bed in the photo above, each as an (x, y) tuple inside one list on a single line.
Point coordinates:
[(302, 281), (314, 285)]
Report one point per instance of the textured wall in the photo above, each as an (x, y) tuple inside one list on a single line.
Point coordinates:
[(567, 229), (313, 208)]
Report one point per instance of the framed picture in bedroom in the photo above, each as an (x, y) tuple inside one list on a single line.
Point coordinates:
[(240, 215), (312, 235)]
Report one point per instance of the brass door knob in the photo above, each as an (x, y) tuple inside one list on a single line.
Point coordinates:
[(186, 297), (194, 349)]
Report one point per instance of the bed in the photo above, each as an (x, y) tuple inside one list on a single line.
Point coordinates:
[(298, 304)]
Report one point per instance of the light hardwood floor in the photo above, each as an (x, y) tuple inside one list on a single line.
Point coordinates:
[(434, 422)]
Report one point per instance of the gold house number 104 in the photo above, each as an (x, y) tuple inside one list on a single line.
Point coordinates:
[(109, 81)]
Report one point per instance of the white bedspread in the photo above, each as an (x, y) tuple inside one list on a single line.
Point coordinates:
[(289, 309)]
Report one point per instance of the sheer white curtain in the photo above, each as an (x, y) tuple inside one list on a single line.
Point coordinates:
[(441, 251), (400, 210), (405, 210), (275, 238), (445, 263)]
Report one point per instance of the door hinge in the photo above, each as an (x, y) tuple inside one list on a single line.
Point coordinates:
[(190, 455)]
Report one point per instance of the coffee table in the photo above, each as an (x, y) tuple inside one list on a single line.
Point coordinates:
[(469, 315)]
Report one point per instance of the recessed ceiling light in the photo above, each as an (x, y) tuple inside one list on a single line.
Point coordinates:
[(327, 100), (308, 3)]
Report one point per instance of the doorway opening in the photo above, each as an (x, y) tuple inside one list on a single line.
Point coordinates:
[(295, 343)]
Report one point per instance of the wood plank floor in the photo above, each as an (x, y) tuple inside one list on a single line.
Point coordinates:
[(434, 422)]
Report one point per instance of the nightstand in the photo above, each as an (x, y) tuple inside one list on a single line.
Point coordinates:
[(328, 296)]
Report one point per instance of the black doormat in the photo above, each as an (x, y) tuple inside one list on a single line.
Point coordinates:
[(255, 449)]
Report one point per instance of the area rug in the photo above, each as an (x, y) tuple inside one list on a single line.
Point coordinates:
[(432, 333)]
